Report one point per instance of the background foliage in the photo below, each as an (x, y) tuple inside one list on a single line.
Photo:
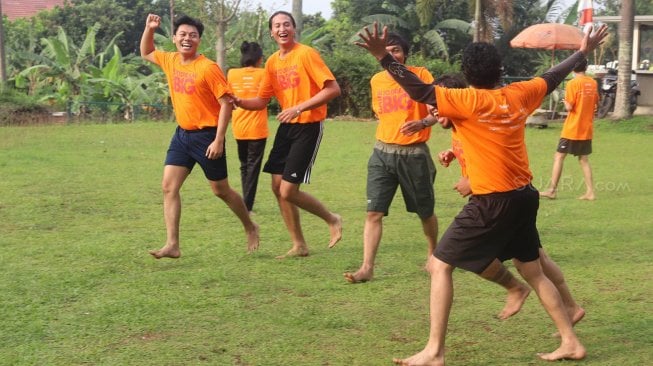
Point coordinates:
[(87, 50)]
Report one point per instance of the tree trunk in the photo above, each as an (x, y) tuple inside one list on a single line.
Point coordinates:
[(224, 11), (299, 18), (220, 49), (477, 21), (172, 16), (3, 65), (622, 105)]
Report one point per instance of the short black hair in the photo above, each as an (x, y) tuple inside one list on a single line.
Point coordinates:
[(581, 66), (396, 39), (250, 53), (281, 12), (453, 81), (481, 65), (186, 20)]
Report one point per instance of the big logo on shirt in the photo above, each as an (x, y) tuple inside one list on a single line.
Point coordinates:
[(393, 100), (183, 82), (288, 77)]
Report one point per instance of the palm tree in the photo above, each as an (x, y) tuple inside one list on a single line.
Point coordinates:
[(627, 12)]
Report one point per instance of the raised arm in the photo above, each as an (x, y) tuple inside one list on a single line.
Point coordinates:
[(555, 75), (413, 85), (152, 22)]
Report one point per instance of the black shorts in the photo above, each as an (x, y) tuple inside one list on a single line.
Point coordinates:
[(496, 225), (188, 147), (574, 147), (294, 151)]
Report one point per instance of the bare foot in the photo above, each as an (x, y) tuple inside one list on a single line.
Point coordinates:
[(294, 252), (359, 277), (574, 351), (253, 239), (424, 358), (576, 315), (514, 301), (587, 197), (166, 252), (548, 194), (336, 231)]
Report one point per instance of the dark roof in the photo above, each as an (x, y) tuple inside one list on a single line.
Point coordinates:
[(26, 8)]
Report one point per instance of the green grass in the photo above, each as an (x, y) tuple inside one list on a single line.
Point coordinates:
[(80, 205)]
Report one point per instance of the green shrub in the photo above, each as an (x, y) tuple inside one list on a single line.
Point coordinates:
[(20, 109)]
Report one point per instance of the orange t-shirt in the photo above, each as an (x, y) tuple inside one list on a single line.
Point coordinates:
[(393, 107), (247, 125), (490, 124), (296, 77), (194, 89), (582, 93)]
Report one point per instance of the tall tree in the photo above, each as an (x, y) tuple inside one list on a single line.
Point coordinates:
[(223, 12), (626, 26), (298, 14), (3, 65)]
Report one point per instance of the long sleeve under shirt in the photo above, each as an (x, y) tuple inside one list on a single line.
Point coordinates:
[(425, 93)]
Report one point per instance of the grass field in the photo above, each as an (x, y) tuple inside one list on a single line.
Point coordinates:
[(80, 205)]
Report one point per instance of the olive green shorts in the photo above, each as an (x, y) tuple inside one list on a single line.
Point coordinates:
[(407, 166)]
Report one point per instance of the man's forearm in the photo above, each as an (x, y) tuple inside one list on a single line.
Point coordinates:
[(147, 42), (555, 75)]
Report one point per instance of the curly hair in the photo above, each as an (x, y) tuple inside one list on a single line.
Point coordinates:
[(450, 81), (481, 65), (186, 20), (250, 53)]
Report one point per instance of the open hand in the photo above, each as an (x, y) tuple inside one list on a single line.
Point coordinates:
[(374, 43), (593, 39)]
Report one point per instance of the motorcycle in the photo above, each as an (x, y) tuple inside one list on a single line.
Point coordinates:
[(608, 92)]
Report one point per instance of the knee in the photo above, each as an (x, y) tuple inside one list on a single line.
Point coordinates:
[(221, 193), (285, 194), (168, 188), (221, 189), (375, 217)]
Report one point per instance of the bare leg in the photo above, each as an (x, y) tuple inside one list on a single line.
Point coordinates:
[(570, 346), (517, 291), (558, 160), (291, 193), (371, 240), (587, 176), (430, 228), (173, 179), (235, 202), (290, 214), (440, 306), (553, 272)]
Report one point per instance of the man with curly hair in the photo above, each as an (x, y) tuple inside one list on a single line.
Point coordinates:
[(499, 221)]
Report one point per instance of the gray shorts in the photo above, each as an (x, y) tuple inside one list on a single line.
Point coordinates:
[(409, 167)]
